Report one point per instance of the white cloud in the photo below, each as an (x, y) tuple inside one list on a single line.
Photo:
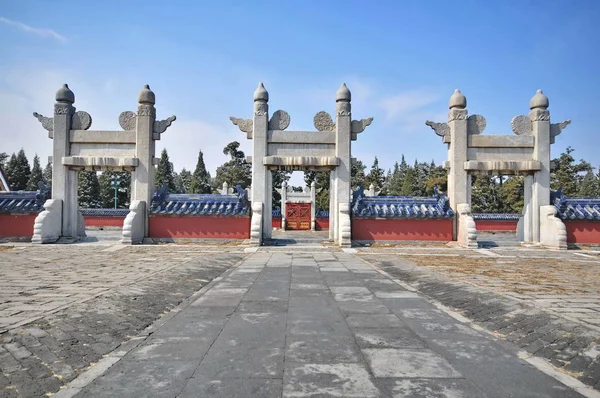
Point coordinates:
[(403, 104), (42, 32)]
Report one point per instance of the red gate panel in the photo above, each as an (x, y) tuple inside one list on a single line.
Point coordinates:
[(297, 216)]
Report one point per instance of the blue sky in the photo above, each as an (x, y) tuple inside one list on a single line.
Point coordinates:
[(401, 59)]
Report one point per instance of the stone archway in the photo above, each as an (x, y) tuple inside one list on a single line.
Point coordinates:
[(327, 149)]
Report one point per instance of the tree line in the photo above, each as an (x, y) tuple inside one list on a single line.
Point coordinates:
[(490, 193)]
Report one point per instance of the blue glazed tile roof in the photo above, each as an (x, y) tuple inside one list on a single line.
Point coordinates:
[(322, 214), (200, 205), (276, 213), (497, 216), (104, 212), (24, 202), (436, 206), (576, 209)]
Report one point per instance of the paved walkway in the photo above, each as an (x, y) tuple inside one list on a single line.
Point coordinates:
[(314, 324)]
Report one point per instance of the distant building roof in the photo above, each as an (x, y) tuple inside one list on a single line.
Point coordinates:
[(24, 202), (104, 212), (497, 216), (436, 206), (236, 204)]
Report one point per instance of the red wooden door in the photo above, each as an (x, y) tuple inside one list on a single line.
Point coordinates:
[(297, 216)]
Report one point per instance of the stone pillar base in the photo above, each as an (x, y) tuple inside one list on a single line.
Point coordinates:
[(134, 223), (47, 227)]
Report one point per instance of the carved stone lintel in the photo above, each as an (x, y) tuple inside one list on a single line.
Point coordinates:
[(47, 123), (457, 114), (127, 120), (146, 110), (261, 108), (343, 108), (441, 129), (557, 128), (62, 109), (323, 122), (245, 125), (476, 124), (160, 126), (521, 125), (279, 121), (539, 115), (358, 126), (81, 120)]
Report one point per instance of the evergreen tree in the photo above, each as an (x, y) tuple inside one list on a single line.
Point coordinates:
[(357, 174), (567, 173), (3, 158), (165, 173), (421, 173), (47, 174), (107, 192), (36, 175), (201, 177), (322, 183), (279, 176), (438, 176), (590, 187), (88, 190), (376, 176), (512, 195), (395, 181), (237, 171), (18, 171), (409, 185), (185, 180), (485, 197)]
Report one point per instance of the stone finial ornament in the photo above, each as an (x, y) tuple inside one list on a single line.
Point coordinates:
[(147, 96), (457, 100), (441, 129), (261, 93), (127, 120), (47, 122), (160, 126), (476, 124), (81, 121), (64, 94), (521, 125), (557, 128), (343, 94), (539, 100), (280, 120), (358, 126), (323, 122), (245, 125)]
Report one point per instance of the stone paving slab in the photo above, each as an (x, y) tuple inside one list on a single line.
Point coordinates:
[(297, 346)]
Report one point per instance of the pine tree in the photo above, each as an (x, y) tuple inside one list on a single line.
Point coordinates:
[(47, 174), (201, 177), (3, 158), (512, 195), (322, 183), (376, 176), (237, 171), (567, 173), (409, 185), (590, 187), (164, 173), (11, 171), (357, 174), (185, 178), (485, 197), (438, 177), (88, 190), (18, 171), (395, 182), (36, 175), (279, 176)]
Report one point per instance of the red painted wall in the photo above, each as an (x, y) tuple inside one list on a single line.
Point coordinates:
[(276, 222), (581, 231), (373, 230), (103, 221), (199, 227), (321, 223), (496, 225), (15, 226)]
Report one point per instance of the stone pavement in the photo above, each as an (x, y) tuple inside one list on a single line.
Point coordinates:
[(313, 324), (64, 307)]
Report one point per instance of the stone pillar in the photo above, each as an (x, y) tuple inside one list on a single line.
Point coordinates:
[(142, 179), (342, 147), (259, 151), (528, 209), (284, 190), (332, 211), (458, 179), (64, 181), (268, 216), (313, 206), (540, 129)]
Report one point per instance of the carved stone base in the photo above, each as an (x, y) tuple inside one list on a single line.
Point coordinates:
[(553, 233), (467, 231), (256, 224), (345, 231), (134, 224), (48, 224)]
